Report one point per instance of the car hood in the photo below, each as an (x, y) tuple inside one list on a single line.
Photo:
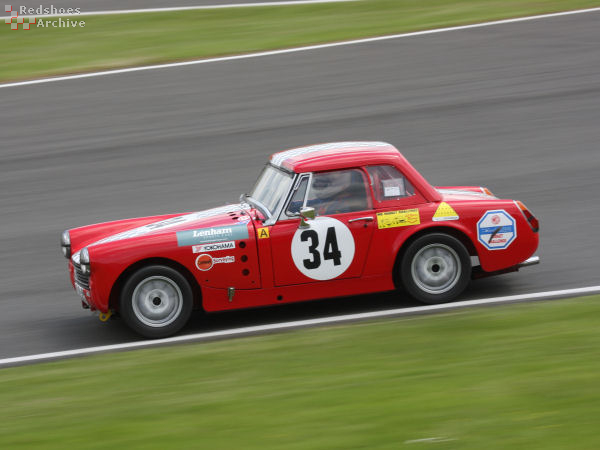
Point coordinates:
[(211, 225)]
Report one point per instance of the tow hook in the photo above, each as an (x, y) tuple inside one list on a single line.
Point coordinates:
[(105, 316)]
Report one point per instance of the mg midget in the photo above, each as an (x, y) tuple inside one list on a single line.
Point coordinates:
[(328, 220)]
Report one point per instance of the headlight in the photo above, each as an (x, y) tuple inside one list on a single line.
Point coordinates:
[(84, 261), (84, 256), (65, 244)]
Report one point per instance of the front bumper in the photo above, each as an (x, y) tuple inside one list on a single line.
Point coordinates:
[(84, 295), (84, 290)]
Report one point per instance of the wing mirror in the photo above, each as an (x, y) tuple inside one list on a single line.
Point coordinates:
[(306, 214)]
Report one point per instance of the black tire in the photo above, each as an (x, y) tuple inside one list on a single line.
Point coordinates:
[(436, 268), (156, 301)]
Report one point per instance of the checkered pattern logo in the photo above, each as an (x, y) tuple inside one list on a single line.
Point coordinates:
[(14, 20)]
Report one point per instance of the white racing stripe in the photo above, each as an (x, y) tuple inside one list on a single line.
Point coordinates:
[(189, 8), (300, 324), (296, 49)]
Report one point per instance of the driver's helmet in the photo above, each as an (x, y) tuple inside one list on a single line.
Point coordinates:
[(328, 184)]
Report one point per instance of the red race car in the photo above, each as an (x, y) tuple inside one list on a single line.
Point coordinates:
[(328, 220)]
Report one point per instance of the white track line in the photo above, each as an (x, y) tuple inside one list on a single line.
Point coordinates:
[(301, 323), (296, 49), (189, 8)]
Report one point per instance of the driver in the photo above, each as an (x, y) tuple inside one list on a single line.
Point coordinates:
[(331, 192)]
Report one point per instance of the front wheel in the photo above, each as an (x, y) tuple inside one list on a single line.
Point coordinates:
[(156, 301), (435, 268)]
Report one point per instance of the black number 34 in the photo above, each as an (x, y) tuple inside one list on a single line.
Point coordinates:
[(330, 251)]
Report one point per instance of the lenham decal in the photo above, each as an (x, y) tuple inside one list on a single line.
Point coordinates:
[(496, 230), (213, 247), (403, 218), (206, 262), (213, 234), (445, 212)]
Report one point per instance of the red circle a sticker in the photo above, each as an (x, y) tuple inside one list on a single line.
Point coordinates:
[(204, 262)]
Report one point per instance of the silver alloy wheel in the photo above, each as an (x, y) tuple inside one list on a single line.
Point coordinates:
[(157, 301), (436, 268)]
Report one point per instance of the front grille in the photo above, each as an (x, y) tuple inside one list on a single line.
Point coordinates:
[(80, 278)]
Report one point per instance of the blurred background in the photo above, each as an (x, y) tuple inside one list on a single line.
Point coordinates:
[(513, 107)]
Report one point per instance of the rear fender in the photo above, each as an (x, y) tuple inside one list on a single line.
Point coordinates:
[(454, 230)]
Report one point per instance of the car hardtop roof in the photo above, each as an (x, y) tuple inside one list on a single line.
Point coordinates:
[(340, 155), (336, 155)]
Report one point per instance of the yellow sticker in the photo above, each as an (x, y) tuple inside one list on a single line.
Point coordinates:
[(445, 212), (263, 233), (403, 218)]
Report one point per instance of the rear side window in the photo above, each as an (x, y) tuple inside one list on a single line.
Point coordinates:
[(389, 184)]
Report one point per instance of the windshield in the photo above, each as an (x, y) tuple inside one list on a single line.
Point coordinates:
[(271, 188)]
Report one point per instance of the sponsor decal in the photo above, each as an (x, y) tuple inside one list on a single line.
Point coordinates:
[(496, 230), (325, 250), (213, 234), (225, 260), (213, 247), (403, 218), (206, 262), (445, 212), (263, 233)]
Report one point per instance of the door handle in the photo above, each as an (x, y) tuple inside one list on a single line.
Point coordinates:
[(366, 219)]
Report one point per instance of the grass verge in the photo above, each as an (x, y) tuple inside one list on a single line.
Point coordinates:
[(138, 39), (518, 376)]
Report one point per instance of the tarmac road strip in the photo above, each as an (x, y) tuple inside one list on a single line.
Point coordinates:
[(263, 329)]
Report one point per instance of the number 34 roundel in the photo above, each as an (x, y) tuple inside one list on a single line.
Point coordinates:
[(325, 250)]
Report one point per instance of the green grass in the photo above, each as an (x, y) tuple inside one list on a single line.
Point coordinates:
[(518, 376), (138, 39)]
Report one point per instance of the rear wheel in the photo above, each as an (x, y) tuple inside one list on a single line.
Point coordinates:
[(156, 301), (436, 268)]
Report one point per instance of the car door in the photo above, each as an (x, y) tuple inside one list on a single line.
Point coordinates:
[(332, 246)]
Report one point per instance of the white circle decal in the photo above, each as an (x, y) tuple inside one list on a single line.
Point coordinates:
[(324, 250)]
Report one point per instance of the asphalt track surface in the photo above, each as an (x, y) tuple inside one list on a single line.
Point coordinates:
[(514, 107)]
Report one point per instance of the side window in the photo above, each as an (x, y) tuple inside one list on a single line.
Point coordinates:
[(339, 191), (297, 199), (389, 184)]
